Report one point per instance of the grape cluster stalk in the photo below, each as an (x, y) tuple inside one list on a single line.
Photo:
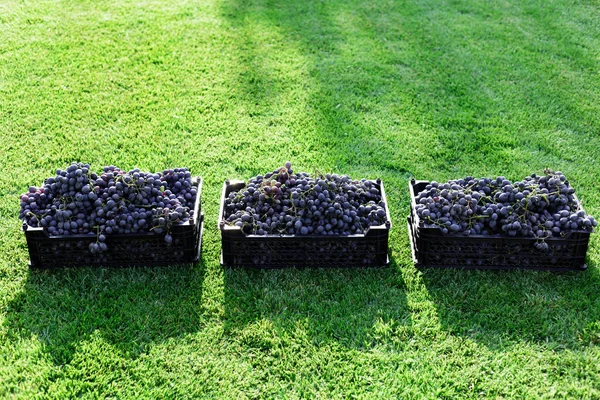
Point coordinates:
[(79, 201), (538, 206), (283, 202)]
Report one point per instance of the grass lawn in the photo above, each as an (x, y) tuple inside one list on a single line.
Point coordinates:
[(233, 88)]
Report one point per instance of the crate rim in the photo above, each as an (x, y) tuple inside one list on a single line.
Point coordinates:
[(82, 236), (436, 230), (223, 227)]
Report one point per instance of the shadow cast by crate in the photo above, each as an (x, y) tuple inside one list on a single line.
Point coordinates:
[(128, 308), (354, 307), (503, 308)]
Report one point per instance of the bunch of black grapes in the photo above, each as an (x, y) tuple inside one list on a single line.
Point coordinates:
[(79, 201), (538, 206), (284, 202)]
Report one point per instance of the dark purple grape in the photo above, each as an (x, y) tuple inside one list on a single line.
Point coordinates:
[(537, 207), (291, 202), (77, 201)]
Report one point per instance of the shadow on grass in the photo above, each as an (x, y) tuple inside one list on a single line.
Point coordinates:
[(447, 85), (354, 308), (129, 308), (500, 308), (404, 88), (337, 106)]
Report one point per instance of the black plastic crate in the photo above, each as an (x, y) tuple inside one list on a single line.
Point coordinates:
[(134, 249), (431, 248), (281, 251)]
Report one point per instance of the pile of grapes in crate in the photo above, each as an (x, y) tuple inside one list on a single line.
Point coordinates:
[(539, 212), (299, 218), (537, 206), (284, 202), (114, 203)]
